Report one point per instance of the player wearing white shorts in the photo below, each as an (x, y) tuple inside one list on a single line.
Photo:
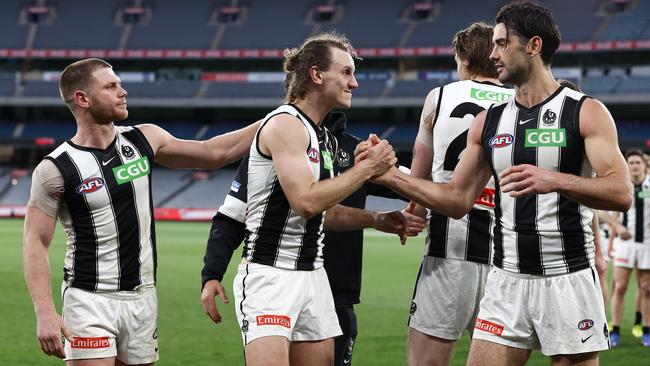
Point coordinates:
[(98, 184), (542, 148), (633, 249), (283, 299), (457, 252)]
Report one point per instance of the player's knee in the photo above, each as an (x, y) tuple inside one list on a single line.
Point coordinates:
[(620, 288)]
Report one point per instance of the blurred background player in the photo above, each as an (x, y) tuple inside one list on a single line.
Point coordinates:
[(632, 251)]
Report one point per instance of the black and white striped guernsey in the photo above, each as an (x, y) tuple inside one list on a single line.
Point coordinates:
[(468, 238), (111, 244), (275, 234), (546, 234), (637, 218)]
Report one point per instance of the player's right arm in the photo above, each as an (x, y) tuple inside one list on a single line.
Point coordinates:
[(40, 221), (423, 145), (457, 197), (285, 139)]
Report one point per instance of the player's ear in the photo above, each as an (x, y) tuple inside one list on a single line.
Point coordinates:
[(81, 99), (316, 75), (534, 46)]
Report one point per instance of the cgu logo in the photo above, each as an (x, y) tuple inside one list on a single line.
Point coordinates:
[(502, 140), (545, 137), (90, 185), (135, 169), (479, 94), (585, 324)]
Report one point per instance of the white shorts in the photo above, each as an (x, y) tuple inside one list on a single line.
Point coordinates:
[(630, 254), (114, 324), (447, 296), (297, 305), (557, 315)]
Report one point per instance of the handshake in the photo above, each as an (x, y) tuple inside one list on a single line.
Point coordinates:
[(377, 157)]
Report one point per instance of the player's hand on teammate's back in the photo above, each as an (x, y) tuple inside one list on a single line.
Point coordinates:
[(210, 291), (520, 180), (49, 327)]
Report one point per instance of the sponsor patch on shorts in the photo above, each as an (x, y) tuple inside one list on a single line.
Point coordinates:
[(489, 327), (281, 320), (91, 342)]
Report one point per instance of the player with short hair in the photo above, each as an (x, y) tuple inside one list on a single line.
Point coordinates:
[(98, 184), (553, 153)]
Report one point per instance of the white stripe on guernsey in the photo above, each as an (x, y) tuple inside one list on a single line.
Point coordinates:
[(547, 218), (502, 157), (142, 204), (457, 237), (105, 223)]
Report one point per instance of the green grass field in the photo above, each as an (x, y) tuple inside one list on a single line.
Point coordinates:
[(188, 337)]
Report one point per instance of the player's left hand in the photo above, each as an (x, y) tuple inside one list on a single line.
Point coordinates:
[(402, 224), (520, 180)]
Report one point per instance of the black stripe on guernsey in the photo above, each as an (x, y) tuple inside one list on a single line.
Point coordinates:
[(490, 128), (571, 159), (624, 222), (438, 225), (309, 247), (274, 221), (435, 118), (478, 236), (639, 215), (85, 248), (122, 198), (140, 142), (528, 239)]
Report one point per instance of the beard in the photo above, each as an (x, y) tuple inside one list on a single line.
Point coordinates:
[(517, 74), (106, 114)]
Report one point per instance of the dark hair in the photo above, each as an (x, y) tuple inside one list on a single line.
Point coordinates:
[(528, 20), (78, 76), (569, 84), (473, 44), (315, 51), (635, 152)]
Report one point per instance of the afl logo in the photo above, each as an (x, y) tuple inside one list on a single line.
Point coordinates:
[(585, 324), (312, 154), (90, 185), (502, 140)]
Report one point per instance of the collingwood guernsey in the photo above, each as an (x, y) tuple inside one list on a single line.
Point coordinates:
[(275, 234), (469, 237), (637, 218), (106, 211), (541, 234)]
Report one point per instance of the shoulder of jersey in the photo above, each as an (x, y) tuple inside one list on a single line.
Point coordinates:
[(122, 129)]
